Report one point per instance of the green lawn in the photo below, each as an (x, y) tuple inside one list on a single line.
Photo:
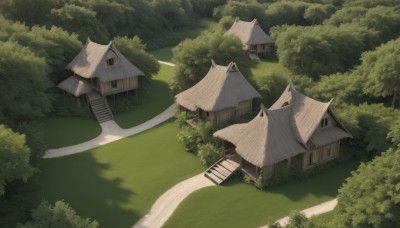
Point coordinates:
[(163, 54), (237, 204), (116, 184), (268, 65), (325, 219), (66, 131), (157, 98)]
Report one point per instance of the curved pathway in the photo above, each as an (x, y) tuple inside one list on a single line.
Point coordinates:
[(315, 210), (111, 132), (166, 63), (166, 204)]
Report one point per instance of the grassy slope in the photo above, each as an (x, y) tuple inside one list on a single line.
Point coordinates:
[(266, 66), (155, 101), (163, 54), (66, 131), (116, 184), (241, 205)]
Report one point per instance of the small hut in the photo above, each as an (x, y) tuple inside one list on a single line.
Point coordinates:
[(254, 39), (222, 94), (99, 71), (104, 68), (296, 126)]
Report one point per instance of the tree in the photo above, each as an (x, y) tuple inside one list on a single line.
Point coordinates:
[(60, 215), (14, 158), (317, 13), (174, 13), (371, 196), (23, 83), (271, 86), (381, 69), (193, 57)]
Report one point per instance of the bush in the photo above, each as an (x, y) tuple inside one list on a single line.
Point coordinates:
[(180, 119), (208, 154), (259, 183), (247, 179), (189, 138), (205, 131)]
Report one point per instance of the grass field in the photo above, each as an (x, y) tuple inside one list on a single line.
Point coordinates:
[(266, 66), (116, 184), (163, 54), (237, 204), (157, 98), (66, 131)]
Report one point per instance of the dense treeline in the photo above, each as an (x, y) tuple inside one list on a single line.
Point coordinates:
[(346, 49)]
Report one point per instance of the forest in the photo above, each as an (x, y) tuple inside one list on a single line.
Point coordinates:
[(345, 49)]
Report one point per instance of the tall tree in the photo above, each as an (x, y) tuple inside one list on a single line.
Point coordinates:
[(193, 57), (371, 196), (60, 215), (381, 69), (24, 82), (14, 158)]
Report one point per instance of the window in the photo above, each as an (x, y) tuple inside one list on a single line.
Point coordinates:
[(324, 122), (110, 62), (114, 84), (285, 104), (310, 159), (207, 114), (328, 152)]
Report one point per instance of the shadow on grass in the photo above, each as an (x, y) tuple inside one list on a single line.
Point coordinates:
[(88, 192)]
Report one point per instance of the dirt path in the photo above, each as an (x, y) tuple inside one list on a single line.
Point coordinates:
[(111, 132), (167, 63), (166, 204), (315, 210)]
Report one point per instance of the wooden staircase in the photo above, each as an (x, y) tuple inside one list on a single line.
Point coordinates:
[(222, 170), (100, 107)]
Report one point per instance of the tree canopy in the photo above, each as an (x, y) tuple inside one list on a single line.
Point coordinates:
[(14, 158), (371, 196), (60, 215)]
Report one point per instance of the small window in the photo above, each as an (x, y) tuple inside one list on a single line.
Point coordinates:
[(285, 104), (207, 114), (310, 159), (114, 84), (110, 62), (324, 122), (328, 152)]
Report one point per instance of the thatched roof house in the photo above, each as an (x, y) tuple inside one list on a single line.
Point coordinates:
[(104, 68), (254, 39), (98, 71), (222, 94), (295, 126)]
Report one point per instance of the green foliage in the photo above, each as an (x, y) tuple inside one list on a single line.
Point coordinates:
[(59, 215), (317, 13), (296, 220), (394, 134), (134, 50), (189, 139), (245, 9), (193, 57), (205, 8), (322, 50), (259, 183), (205, 131), (381, 71), (371, 196), (208, 154), (271, 85), (369, 125), (14, 158), (24, 83), (81, 20), (174, 13), (180, 119), (286, 12)]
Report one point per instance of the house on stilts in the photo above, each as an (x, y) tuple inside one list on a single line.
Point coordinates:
[(295, 128), (99, 71), (255, 41), (221, 95)]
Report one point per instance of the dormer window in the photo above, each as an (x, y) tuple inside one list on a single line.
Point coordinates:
[(285, 104), (110, 62), (324, 122), (233, 68)]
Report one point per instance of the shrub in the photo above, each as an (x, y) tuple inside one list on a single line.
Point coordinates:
[(259, 183), (208, 154), (247, 179), (189, 138), (180, 119)]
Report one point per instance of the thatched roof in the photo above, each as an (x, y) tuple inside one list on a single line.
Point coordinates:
[(223, 87), (91, 62), (282, 131), (249, 33), (75, 85)]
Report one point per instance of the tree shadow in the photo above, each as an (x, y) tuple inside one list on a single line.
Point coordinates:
[(80, 181)]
